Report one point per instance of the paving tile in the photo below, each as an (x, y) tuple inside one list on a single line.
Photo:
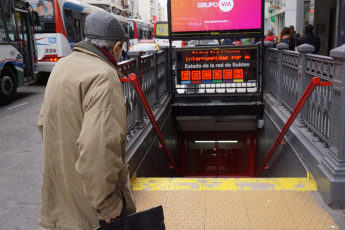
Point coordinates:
[(188, 199), (263, 199), (270, 218), (150, 199), (225, 199), (226, 219), (181, 218)]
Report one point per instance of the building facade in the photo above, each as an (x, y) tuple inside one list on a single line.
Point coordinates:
[(162, 13), (112, 6), (327, 17), (280, 13), (148, 10)]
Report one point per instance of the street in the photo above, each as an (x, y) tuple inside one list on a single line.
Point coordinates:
[(21, 160)]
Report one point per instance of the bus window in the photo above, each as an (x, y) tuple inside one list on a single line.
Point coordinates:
[(82, 23), (3, 37), (10, 21), (77, 31), (131, 30), (73, 25)]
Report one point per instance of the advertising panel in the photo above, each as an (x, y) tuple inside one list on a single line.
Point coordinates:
[(162, 30), (215, 17), (217, 65), (44, 8)]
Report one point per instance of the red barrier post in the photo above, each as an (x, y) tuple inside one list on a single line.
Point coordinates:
[(312, 85), (133, 78)]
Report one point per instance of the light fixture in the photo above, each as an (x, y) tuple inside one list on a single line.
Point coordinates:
[(222, 141)]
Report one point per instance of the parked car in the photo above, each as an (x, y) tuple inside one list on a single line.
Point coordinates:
[(202, 42), (145, 46)]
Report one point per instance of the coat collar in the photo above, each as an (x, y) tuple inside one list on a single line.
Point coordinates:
[(80, 46)]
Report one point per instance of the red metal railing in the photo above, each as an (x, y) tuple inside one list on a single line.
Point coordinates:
[(133, 78), (314, 82)]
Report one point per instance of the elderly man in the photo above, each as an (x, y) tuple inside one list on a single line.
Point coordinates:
[(83, 127)]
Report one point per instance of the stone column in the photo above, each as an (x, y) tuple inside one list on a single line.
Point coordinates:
[(137, 56), (155, 77), (267, 45), (167, 69), (302, 78), (337, 127), (280, 47), (333, 163)]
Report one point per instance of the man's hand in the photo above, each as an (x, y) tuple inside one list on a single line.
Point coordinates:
[(113, 217)]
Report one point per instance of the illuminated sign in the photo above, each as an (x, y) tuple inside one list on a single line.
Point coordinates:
[(216, 65), (275, 4), (162, 30), (215, 17)]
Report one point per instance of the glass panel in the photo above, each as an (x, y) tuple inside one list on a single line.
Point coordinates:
[(11, 21), (22, 29), (74, 25), (3, 37), (131, 29)]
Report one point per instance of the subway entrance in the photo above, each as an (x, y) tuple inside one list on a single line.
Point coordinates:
[(218, 154)]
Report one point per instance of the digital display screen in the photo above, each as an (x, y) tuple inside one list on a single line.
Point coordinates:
[(216, 17), (216, 65), (162, 30)]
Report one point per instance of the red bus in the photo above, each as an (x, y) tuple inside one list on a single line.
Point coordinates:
[(138, 30)]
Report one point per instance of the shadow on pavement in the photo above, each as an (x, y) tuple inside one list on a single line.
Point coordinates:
[(42, 79)]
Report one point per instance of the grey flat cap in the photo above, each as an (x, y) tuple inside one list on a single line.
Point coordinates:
[(102, 25)]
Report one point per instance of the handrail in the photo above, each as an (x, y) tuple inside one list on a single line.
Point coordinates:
[(312, 85), (133, 78)]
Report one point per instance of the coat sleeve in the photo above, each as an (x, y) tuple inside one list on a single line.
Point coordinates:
[(100, 159)]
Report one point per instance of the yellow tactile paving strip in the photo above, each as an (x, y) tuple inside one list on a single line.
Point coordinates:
[(235, 184), (217, 204)]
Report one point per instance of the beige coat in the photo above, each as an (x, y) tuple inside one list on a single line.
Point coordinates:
[(83, 127)]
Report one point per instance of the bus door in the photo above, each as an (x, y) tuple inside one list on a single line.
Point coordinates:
[(26, 43)]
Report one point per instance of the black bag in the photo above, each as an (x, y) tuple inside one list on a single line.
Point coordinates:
[(150, 219)]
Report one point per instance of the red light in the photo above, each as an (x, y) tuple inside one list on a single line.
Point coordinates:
[(196, 75), (217, 74), (227, 74), (185, 75), (206, 75), (238, 73), (312, 11)]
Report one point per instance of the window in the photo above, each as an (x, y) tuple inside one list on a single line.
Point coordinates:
[(75, 25), (10, 21), (3, 37), (82, 24), (131, 30)]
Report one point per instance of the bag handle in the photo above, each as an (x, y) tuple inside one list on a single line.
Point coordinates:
[(123, 215), (124, 218)]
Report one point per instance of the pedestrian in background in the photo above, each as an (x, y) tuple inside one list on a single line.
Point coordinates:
[(83, 127), (269, 36), (309, 38), (295, 33), (277, 39), (286, 36)]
